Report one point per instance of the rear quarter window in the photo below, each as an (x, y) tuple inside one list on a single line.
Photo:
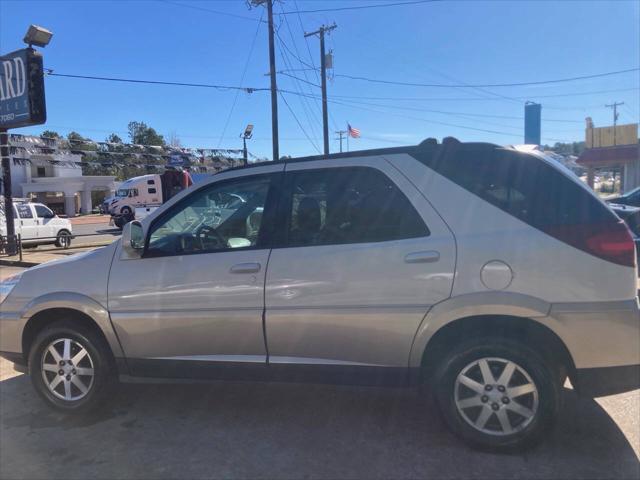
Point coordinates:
[(522, 185)]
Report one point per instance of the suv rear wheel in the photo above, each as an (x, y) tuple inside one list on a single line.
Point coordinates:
[(497, 394), (70, 367)]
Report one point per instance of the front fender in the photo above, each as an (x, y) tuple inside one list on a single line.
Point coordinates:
[(477, 304), (81, 303)]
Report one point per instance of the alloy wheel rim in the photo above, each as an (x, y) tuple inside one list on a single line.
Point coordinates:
[(67, 369), (496, 396)]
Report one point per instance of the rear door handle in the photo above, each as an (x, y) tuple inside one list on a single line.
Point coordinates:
[(429, 256), (250, 267)]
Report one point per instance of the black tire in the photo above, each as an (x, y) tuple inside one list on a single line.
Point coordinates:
[(99, 357), (63, 239), (125, 211), (526, 432)]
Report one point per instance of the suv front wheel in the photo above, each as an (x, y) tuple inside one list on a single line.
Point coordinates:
[(497, 394), (70, 367)]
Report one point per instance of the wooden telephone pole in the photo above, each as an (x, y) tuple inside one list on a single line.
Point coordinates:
[(323, 68), (615, 106), (272, 73), (341, 134)]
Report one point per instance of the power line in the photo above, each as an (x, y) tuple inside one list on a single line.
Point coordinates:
[(281, 72), (302, 97), (244, 72), (217, 12), (307, 103), (299, 124), (360, 7), (444, 112), (313, 64), (488, 85), (465, 99), (464, 127), (51, 73)]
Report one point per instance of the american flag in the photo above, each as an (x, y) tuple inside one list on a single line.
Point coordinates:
[(353, 132)]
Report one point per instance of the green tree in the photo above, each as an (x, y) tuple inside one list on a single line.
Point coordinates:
[(140, 133), (50, 134), (78, 142), (113, 138), (74, 137)]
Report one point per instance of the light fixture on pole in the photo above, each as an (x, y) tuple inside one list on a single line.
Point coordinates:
[(248, 133), (24, 105), (38, 36)]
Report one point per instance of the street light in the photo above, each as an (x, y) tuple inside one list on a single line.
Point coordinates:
[(248, 133), (38, 36)]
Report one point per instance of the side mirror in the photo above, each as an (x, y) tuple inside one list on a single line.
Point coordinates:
[(133, 239)]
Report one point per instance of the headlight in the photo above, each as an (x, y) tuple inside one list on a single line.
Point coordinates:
[(7, 285)]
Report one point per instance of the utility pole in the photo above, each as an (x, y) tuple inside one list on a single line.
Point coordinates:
[(272, 73), (10, 247), (323, 68), (615, 106), (341, 134)]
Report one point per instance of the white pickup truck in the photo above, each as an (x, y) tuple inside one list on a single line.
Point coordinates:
[(36, 224)]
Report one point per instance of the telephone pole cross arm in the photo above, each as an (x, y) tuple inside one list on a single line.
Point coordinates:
[(323, 68)]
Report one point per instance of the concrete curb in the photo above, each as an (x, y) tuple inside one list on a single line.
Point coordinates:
[(17, 263), (26, 263)]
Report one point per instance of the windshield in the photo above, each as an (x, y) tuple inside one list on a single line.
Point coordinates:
[(122, 192)]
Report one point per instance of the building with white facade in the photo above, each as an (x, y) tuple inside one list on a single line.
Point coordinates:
[(45, 173)]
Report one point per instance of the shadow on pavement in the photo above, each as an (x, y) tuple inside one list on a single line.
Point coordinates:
[(237, 430)]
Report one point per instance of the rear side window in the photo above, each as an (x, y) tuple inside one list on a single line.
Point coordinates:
[(523, 186), (24, 211), (348, 205)]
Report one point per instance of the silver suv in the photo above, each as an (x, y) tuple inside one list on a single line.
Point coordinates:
[(490, 274)]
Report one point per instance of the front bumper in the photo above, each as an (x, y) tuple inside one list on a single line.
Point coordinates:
[(599, 382)]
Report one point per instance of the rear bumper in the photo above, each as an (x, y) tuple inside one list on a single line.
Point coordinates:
[(599, 382)]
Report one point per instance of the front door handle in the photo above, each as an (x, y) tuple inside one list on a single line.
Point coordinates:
[(429, 256), (250, 267)]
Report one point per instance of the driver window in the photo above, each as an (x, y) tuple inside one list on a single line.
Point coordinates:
[(224, 216)]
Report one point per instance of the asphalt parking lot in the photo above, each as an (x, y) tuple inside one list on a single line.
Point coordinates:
[(239, 430)]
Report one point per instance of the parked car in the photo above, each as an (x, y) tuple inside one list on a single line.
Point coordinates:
[(631, 198), (37, 224), (484, 273)]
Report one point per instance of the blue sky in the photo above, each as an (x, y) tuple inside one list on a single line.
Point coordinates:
[(481, 42)]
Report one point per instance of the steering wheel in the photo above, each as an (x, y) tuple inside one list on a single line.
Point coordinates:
[(209, 238)]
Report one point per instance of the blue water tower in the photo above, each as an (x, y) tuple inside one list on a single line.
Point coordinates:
[(532, 123)]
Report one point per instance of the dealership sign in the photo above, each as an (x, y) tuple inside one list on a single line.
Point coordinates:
[(22, 89)]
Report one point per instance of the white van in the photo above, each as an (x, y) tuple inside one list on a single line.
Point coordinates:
[(37, 224)]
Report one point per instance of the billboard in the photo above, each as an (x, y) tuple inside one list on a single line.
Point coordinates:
[(532, 123), (22, 100), (611, 136)]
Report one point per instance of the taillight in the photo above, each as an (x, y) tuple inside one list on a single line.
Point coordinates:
[(610, 241)]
